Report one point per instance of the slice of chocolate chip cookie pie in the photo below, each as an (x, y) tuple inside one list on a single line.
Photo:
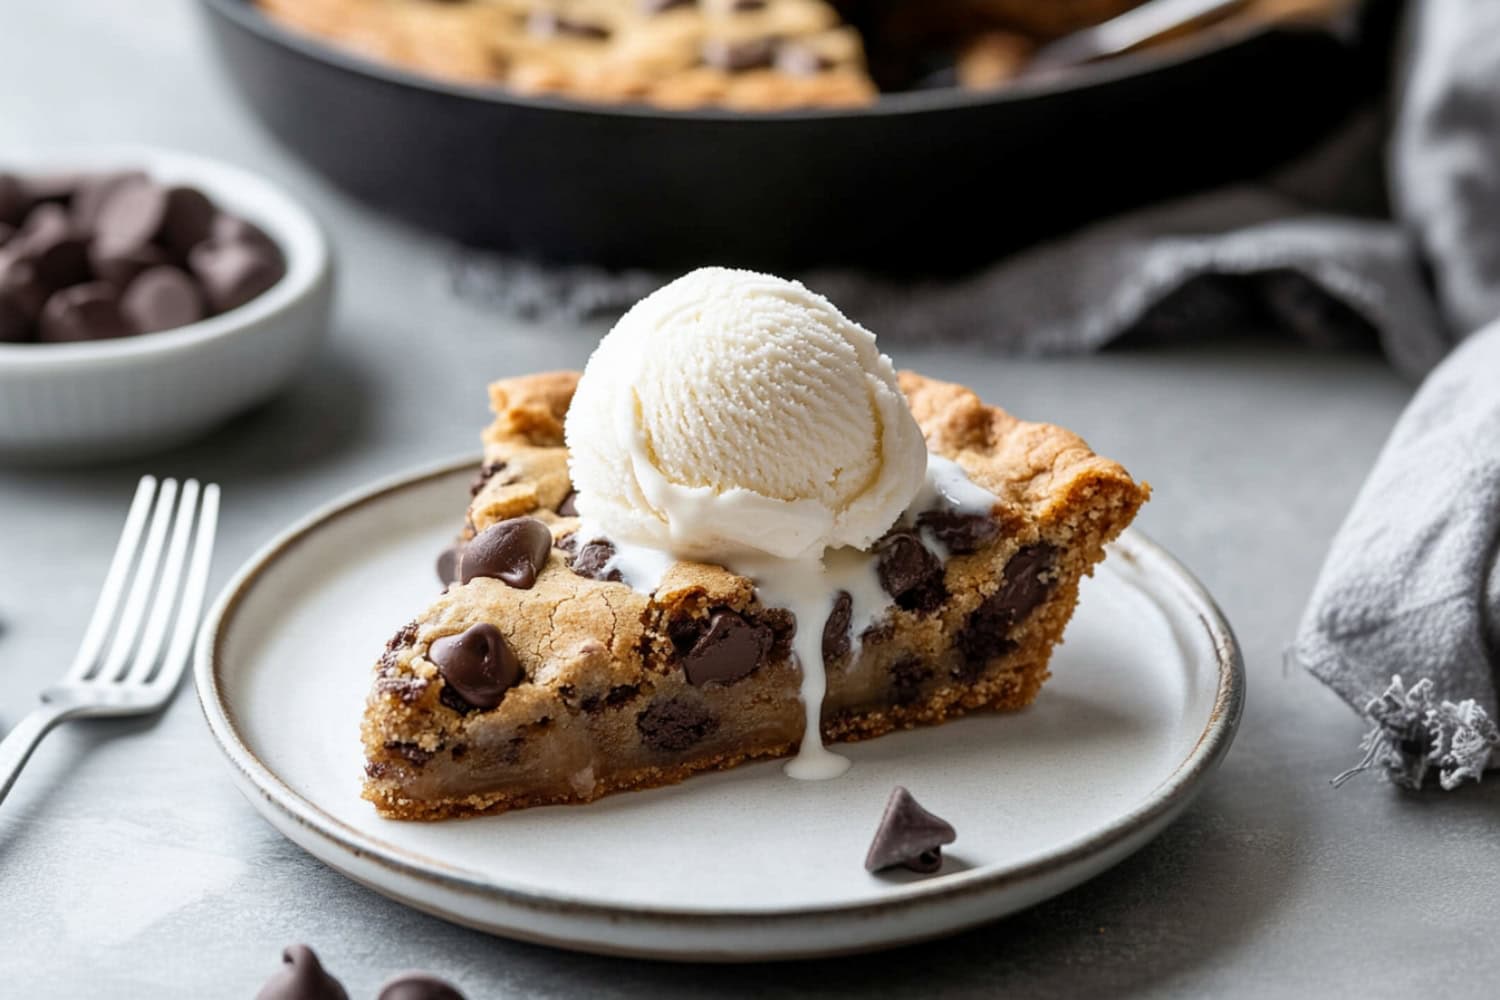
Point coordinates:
[(541, 675)]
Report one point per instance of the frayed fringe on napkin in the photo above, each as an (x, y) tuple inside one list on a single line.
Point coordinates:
[(1411, 734)]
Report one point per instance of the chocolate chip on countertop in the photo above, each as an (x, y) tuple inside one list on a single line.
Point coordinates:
[(961, 533), (89, 311), (908, 836), (836, 629), (301, 977), (730, 648), (547, 24), (569, 505), (418, 986), (737, 57), (234, 272), (13, 200), (591, 559), (478, 664), (513, 551), (675, 725), (162, 298), (447, 563), (911, 574)]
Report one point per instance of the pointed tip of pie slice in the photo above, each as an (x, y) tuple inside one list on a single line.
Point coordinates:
[(906, 833)]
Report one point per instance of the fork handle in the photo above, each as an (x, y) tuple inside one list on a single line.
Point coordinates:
[(16, 748)]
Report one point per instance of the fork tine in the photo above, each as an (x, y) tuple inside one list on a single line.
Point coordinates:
[(167, 589), (141, 586), (192, 593), (114, 581)]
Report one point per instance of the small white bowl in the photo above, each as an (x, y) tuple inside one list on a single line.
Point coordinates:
[(115, 398)]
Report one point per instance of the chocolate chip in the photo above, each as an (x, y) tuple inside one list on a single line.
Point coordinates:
[(233, 273), (961, 533), (6, 232), (836, 630), (233, 229), (19, 283), (569, 505), (13, 200), (120, 267), (131, 215), (592, 560), (447, 563), (985, 635), (730, 648), (83, 312), (675, 725), (548, 24), (513, 550), (162, 298), (48, 241), (908, 836), (418, 986), (409, 751), (662, 6), (189, 221), (485, 474), (907, 677), (57, 187), (93, 191), (800, 60), (16, 324), (736, 57), (478, 664), (911, 574), (301, 977), (746, 6)]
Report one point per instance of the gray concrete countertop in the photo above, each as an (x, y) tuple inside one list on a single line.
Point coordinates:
[(130, 867)]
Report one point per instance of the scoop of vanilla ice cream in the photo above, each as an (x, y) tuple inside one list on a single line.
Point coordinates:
[(731, 413)]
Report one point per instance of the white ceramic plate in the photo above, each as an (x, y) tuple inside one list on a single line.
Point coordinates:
[(747, 864)]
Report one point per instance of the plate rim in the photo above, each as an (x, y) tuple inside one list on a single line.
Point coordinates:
[(1169, 796)]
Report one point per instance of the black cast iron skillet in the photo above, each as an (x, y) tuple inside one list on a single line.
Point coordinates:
[(922, 181)]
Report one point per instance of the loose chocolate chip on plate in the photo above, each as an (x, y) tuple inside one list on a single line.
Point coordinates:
[(161, 298), (911, 574), (961, 533), (730, 648), (675, 725), (301, 977), (836, 629), (447, 563), (737, 57), (908, 837), (234, 272), (478, 664), (89, 311), (513, 551), (569, 505), (419, 986)]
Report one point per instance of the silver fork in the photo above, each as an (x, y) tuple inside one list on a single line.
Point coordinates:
[(137, 672)]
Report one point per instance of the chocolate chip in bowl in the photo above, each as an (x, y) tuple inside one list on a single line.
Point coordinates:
[(145, 297)]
